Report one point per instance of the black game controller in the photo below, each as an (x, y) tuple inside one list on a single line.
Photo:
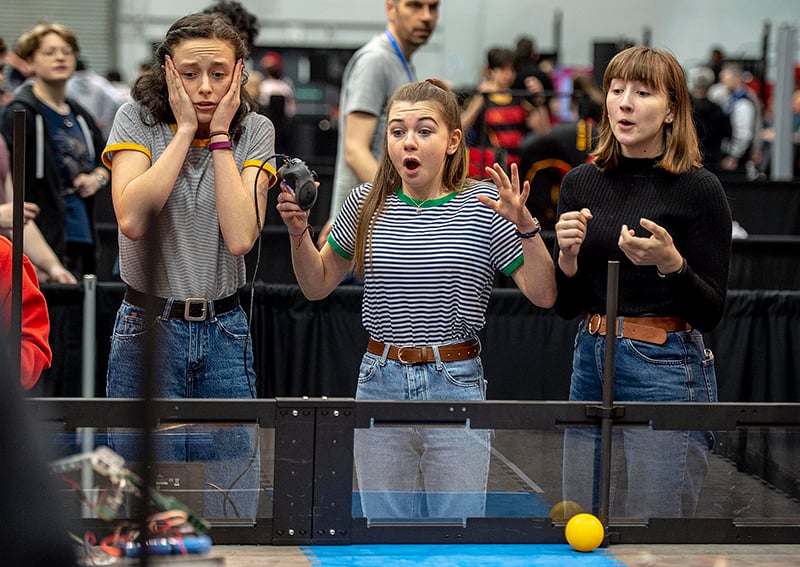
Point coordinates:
[(300, 180)]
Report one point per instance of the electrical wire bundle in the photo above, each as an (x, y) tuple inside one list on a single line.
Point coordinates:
[(173, 530)]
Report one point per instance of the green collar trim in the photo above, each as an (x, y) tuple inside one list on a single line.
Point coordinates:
[(425, 204)]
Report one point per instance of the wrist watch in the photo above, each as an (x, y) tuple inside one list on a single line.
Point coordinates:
[(536, 230), (101, 179)]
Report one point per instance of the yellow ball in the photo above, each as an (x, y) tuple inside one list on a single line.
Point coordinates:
[(584, 532), (564, 510)]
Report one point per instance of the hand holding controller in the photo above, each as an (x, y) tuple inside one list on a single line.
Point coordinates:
[(301, 180)]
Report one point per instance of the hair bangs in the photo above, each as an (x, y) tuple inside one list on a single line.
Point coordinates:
[(642, 64)]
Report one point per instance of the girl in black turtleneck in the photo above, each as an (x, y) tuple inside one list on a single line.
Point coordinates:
[(646, 202)]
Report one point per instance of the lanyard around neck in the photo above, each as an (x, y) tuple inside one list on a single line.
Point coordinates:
[(399, 54)]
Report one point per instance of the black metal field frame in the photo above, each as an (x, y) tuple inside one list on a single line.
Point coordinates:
[(313, 463)]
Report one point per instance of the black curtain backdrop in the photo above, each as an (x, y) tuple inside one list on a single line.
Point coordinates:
[(313, 349), (771, 207)]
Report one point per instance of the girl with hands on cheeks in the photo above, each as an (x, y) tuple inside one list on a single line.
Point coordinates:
[(646, 202), (427, 242), (189, 194), (188, 191)]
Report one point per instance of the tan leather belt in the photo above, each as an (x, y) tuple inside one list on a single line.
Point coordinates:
[(647, 329), (414, 355)]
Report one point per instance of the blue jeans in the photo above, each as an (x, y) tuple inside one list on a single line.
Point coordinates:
[(413, 472), (203, 359), (654, 473)]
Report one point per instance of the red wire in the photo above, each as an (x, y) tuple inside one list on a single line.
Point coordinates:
[(110, 544)]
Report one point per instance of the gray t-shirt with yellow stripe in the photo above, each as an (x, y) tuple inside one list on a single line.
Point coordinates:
[(191, 259)]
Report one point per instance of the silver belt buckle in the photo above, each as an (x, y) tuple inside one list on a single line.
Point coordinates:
[(187, 309)]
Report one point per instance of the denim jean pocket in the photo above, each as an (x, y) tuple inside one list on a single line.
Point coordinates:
[(464, 373), (130, 325), (233, 324), (368, 367), (671, 352)]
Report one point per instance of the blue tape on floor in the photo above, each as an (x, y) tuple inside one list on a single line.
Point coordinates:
[(467, 555)]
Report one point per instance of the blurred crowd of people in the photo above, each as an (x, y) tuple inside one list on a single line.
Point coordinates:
[(518, 113)]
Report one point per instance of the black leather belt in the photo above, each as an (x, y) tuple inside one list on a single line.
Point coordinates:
[(192, 309)]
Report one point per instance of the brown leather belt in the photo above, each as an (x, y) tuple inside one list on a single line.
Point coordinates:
[(414, 355), (647, 329)]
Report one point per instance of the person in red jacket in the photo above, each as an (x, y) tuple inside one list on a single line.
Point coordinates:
[(35, 355)]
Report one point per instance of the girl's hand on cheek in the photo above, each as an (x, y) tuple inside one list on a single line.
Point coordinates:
[(179, 100)]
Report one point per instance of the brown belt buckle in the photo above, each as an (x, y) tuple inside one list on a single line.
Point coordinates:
[(193, 301), (421, 352), (400, 355), (593, 327)]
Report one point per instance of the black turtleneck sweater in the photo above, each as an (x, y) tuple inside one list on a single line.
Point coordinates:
[(693, 209)]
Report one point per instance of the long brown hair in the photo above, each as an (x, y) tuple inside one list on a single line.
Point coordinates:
[(387, 179), (659, 70), (150, 89)]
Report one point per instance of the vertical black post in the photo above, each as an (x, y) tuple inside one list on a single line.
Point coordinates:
[(609, 368), (15, 335), (149, 389), (761, 71), (558, 24)]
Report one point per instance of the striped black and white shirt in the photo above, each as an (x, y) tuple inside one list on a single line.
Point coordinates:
[(432, 268)]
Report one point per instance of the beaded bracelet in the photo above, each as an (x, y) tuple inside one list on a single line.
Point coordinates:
[(226, 145)]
